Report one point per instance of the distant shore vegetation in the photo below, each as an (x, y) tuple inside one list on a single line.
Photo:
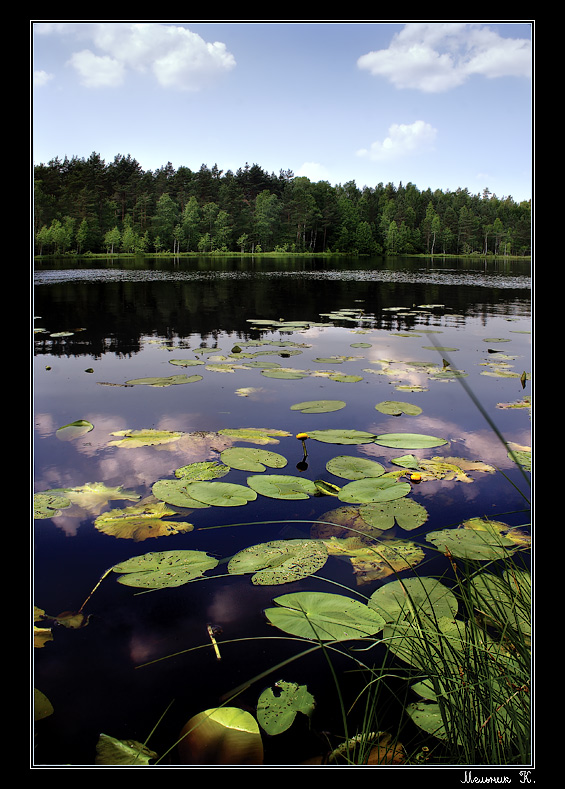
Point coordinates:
[(91, 207)]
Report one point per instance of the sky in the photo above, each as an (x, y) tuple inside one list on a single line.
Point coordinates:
[(440, 104)]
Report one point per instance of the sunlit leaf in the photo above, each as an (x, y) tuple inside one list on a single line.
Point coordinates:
[(122, 752), (277, 709), (408, 440), (176, 493), (397, 407), (74, 430), (254, 435), (279, 561), (351, 467), (222, 735), (164, 569), (140, 522), (163, 380), (222, 494), (413, 599), (204, 470), (318, 406), (471, 544), (342, 436), (282, 486), (251, 459), (49, 504), (132, 439), (407, 513), (362, 491), (375, 561), (323, 616), (42, 706)]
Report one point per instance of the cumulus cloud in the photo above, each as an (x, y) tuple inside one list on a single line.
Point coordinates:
[(176, 57), (314, 171), (403, 140), (41, 78), (435, 56)]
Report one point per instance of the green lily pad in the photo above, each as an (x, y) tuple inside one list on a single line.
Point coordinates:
[(144, 438), (350, 467), (49, 505), (318, 406), (175, 492), (406, 513), (283, 372), (281, 486), (408, 440), (342, 436), (199, 472), (324, 616), (254, 435), (222, 494), (397, 407), (186, 362), (371, 489), (251, 459), (164, 569), (74, 430), (277, 709), (171, 380), (279, 561), (413, 598), (471, 544), (345, 379)]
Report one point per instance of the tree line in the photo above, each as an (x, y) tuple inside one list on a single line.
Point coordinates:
[(87, 206)]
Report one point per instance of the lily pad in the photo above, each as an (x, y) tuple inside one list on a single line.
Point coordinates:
[(204, 470), (122, 752), (74, 430), (251, 459), (342, 436), (397, 407), (362, 491), (413, 598), (282, 372), (175, 492), (143, 438), (408, 440), (282, 486), (163, 380), (406, 513), (471, 544), (279, 561), (140, 522), (222, 494), (351, 467), (318, 406), (277, 708), (49, 504), (164, 569), (254, 435), (324, 616)]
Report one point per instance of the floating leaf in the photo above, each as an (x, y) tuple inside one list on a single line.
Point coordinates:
[(397, 407), (49, 504), (164, 569), (413, 599), (350, 467), (342, 436), (132, 439), (42, 706), (373, 562), (277, 709), (285, 372), (171, 380), (122, 752), (222, 494), (408, 440), (222, 735), (279, 561), (345, 379), (140, 521), (324, 616), (281, 486), (198, 472), (361, 491), (318, 406), (254, 435), (176, 493), (186, 362), (248, 459), (74, 430), (471, 544), (407, 513)]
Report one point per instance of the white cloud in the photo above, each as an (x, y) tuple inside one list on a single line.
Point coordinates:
[(314, 171), (41, 78), (175, 56), (403, 140), (434, 56)]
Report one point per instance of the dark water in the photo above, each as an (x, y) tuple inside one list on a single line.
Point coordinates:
[(128, 320)]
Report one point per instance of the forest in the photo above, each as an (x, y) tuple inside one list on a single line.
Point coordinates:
[(87, 206)]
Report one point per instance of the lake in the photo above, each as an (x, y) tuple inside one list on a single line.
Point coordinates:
[(254, 337)]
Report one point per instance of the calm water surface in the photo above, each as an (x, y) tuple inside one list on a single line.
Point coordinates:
[(129, 320)]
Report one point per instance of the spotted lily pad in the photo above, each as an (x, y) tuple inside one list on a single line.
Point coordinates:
[(204, 470), (323, 616), (282, 486), (277, 708), (251, 459), (279, 561), (163, 569)]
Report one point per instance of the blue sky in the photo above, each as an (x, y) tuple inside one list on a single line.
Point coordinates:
[(440, 104)]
